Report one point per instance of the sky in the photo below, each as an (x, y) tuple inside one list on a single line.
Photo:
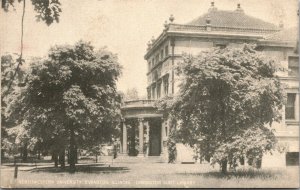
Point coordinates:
[(123, 26)]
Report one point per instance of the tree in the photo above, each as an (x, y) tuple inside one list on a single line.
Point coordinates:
[(48, 11), (8, 130), (71, 97), (132, 94), (227, 102)]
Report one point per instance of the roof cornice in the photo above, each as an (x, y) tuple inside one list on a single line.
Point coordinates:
[(204, 31)]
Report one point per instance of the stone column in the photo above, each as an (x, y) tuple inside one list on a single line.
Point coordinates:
[(283, 116), (124, 143), (148, 138), (141, 138), (297, 107), (163, 134)]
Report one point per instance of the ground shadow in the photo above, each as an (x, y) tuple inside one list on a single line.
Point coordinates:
[(90, 168), (248, 174), (26, 164)]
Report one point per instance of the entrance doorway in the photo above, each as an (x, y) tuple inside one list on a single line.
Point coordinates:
[(155, 137)]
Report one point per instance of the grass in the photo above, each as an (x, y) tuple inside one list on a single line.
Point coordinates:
[(149, 175)]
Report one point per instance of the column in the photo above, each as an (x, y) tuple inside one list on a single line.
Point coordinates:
[(283, 116), (124, 143), (297, 107), (162, 137), (147, 138), (141, 138)]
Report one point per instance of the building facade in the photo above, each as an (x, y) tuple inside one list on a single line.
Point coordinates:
[(216, 28)]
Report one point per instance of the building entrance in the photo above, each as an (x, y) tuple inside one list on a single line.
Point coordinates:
[(155, 138)]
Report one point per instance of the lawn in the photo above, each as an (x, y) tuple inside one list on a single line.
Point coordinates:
[(147, 175)]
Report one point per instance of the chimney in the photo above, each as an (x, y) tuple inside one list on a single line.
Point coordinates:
[(239, 9), (212, 6)]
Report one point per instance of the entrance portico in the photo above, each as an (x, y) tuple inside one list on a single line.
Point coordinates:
[(142, 125)]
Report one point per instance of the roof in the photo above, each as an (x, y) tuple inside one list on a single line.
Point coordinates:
[(285, 35), (232, 19)]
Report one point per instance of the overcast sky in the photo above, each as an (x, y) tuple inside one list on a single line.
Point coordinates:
[(124, 26)]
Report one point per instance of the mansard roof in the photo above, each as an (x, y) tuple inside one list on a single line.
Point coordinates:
[(232, 19), (234, 24)]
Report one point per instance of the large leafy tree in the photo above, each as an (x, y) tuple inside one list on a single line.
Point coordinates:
[(47, 10), (71, 98), (227, 102), (10, 133)]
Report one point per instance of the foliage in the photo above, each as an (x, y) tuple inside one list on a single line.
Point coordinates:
[(132, 94), (47, 10), (171, 144), (70, 97), (11, 134), (227, 99)]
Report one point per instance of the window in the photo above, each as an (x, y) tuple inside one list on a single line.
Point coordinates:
[(155, 75), (153, 92), (149, 65), (158, 89), (161, 54), (149, 93), (166, 129), (166, 51), (293, 66), (156, 58), (152, 63), (290, 106), (166, 84), (292, 158)]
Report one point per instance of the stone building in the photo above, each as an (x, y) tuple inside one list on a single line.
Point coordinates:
[(216, 28)]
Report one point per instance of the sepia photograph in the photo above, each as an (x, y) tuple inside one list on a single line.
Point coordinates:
[(149, 93)]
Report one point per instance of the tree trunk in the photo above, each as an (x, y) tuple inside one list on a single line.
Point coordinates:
[(224, 166), (96, 158), (76, 154), (25, 153), (72, 151), (68, 155), (2, 154), (62, 158), (55, 158), (39, 155)]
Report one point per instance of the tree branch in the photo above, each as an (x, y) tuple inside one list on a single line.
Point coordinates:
[(20, 60)]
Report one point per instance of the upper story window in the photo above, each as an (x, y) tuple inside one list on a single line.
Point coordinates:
[(293, 66), (158, 89), (166, 84), (290, 106), (161, 54), (149, 93), (153, 92), (152, 62), (149, 65), (156, 58), (166, 51)]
